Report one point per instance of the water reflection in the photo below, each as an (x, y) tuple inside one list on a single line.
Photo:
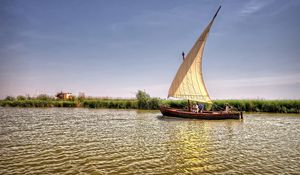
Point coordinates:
[(72, 141), (195, 141)]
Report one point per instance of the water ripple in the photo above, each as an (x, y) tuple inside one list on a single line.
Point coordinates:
[(84, 141)]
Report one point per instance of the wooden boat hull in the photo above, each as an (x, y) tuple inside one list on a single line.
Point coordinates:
[(207, 115)]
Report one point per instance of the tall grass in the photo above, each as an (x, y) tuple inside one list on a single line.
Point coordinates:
[(278, 106), (37, 103), (175, 103), (110, 103), (144, 101)]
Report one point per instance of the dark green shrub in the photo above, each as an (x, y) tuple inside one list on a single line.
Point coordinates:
[(20, 97), (9, 98), (143, 100), (154, 103), (69, 104)]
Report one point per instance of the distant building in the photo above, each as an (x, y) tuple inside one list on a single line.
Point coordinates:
[(64, 95)]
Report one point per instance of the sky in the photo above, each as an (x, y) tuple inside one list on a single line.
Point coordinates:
[(113, 48)]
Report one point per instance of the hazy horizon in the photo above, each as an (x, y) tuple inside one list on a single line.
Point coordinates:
[(115, 48)]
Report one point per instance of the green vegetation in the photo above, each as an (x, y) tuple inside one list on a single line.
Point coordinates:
[(109, 103), (278, 106), (144, 101)]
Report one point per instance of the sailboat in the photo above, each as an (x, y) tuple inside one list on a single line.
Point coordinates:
[(188, 84)]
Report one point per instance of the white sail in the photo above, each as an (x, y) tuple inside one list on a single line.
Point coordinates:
[(188, 82)]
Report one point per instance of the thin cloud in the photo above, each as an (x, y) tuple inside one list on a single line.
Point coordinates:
[(275, 80), (253, 7)]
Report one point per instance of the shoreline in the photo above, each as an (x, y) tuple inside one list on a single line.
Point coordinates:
[(257, 106), (146, 110)]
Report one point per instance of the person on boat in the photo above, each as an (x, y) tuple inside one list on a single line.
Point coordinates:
[(227, 107), (201, 107), (195, 108)]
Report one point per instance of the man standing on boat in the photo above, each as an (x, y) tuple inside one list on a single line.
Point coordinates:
[(227, 108), (195, 108), (200, 107)]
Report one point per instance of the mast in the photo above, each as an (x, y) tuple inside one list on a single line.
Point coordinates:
[(216, 13)]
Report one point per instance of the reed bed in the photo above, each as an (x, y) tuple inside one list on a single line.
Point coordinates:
[(145, 102), (277, 106)]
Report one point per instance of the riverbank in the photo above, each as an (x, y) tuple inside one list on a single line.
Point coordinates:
[(274, 106)]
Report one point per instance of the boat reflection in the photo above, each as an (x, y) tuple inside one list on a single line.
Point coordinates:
[(193, 143)]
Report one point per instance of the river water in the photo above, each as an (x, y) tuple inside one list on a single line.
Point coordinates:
[(101, 141)]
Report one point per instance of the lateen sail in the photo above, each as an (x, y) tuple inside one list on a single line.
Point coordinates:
[(188, 82)]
